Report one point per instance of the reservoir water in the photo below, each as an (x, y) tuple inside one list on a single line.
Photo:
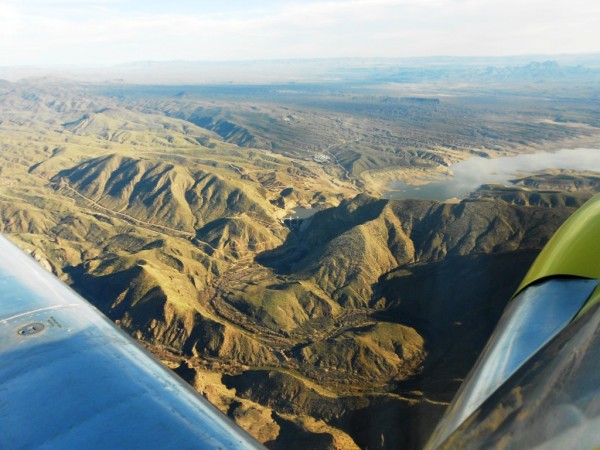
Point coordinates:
[(302, 213), (472, 173)]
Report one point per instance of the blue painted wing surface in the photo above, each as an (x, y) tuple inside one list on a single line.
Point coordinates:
[(70, 379)]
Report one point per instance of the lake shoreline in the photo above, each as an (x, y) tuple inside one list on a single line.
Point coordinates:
[(466, 176)]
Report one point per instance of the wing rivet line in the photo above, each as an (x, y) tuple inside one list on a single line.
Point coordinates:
[(31, 329)]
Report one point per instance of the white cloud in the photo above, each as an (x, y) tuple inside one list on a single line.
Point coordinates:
[(111, 31), (9, 20)]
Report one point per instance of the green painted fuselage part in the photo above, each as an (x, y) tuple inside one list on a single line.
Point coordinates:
[(574, 250)]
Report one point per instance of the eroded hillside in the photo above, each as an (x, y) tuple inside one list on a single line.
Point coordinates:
[(347, 329)]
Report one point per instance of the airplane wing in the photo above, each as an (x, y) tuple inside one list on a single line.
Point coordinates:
[(537, 381), (69, 378)]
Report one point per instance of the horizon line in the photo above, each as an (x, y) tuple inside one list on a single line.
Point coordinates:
[(295, 59)]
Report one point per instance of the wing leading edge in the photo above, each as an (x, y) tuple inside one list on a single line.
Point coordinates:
[(70, 379)]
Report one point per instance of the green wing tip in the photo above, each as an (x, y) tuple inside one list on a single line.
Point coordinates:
[(574, 250)]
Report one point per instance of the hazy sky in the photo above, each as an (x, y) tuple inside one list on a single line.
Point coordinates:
[(88, 32)]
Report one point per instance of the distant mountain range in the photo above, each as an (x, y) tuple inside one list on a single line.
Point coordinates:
[(320, 70)]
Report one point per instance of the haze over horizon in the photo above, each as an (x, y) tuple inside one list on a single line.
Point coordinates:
[(110, 32)]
